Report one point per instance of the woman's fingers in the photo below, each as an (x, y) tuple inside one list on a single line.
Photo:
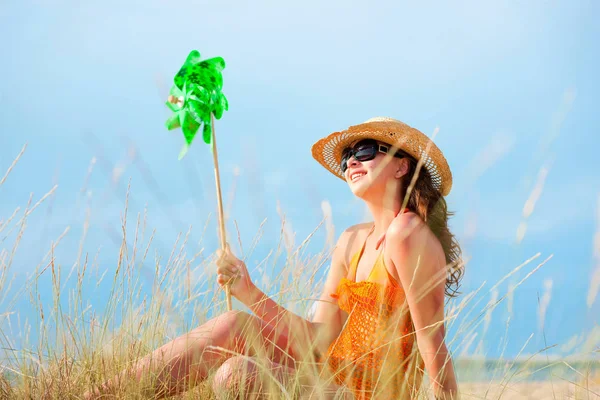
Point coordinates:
[(228, 272), (226, 256), (224, 279), (228, 269)]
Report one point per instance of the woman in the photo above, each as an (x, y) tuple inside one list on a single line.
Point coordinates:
[(385, 289)]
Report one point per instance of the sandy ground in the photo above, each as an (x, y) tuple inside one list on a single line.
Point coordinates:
[(555, 390)]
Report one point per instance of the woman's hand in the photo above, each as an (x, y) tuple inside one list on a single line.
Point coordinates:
[(231, 270)]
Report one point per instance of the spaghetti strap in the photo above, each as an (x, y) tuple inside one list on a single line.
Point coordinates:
[(380, 258), (357, 256), (379, 266)]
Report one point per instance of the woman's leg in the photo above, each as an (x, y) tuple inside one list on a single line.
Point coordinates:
[(188, 359), (249, 378)]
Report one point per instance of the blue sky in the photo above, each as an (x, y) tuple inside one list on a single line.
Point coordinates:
[(512, 86)]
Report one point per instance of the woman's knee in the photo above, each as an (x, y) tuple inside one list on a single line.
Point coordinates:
[(235, 374), (228, 323), (234, 318), (230, 332)]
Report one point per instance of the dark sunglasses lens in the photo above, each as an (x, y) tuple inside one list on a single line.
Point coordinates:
[(345, 157), (366, 153), (363, 151)]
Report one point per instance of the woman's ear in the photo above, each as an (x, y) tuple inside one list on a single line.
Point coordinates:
[(402, 168)]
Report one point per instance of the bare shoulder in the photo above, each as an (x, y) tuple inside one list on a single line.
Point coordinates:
[(358, 228), (408, 230), (350, 240), (341, 256), (417, 258), (406, 227), (352, 232)]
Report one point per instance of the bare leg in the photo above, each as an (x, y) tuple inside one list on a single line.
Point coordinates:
[(250, 378), (188, 359)]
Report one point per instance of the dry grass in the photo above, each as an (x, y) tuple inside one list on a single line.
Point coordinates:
[(79, 346)]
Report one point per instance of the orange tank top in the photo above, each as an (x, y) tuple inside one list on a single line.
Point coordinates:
[(375, 354)]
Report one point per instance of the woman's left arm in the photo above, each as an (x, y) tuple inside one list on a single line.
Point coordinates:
[(420, 264)]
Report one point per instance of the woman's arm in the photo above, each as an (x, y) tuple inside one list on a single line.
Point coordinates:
[(420, 264), (327, 321), (328, 316)]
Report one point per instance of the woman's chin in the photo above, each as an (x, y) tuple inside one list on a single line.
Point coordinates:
[(367, 190), (359, 189)]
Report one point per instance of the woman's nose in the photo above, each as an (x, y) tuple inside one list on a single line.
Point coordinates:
[(352, 161)]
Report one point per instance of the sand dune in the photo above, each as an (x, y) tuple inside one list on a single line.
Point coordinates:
[(554, 390)]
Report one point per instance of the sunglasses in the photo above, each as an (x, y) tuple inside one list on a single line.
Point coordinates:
[(365, 150)]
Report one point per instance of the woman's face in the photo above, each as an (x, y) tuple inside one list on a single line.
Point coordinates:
[(372, 177)]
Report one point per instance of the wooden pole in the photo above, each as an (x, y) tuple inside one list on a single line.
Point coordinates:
[(222, 235)]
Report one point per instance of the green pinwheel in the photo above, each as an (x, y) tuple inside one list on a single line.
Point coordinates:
[(195, 95), (196, 99)]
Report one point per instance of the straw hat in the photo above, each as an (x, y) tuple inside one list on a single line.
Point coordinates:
[(328, 151)]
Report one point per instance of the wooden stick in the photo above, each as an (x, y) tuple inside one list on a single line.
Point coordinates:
[(222, 235)]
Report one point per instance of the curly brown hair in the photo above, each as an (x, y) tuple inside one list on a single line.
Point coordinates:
[(429, 204)]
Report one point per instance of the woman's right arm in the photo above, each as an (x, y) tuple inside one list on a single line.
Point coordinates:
[(328, 319)]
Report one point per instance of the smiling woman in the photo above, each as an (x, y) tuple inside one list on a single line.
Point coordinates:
[(380, 317), (392, 297)]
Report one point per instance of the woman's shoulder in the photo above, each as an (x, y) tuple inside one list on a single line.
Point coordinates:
[(405, 225), (359, 228), (355, 231), (351, 239), (409, 229)]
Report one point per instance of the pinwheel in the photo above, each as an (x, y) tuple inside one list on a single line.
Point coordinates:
[(196, 96), (196, 99)]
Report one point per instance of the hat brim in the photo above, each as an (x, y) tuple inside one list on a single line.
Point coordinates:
[(328, 150)]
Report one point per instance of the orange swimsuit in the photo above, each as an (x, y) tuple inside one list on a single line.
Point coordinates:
[(375, 354)]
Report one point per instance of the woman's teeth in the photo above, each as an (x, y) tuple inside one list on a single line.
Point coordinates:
[(356, 176)]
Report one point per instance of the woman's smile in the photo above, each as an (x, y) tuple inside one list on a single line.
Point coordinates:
[(357, 175)]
